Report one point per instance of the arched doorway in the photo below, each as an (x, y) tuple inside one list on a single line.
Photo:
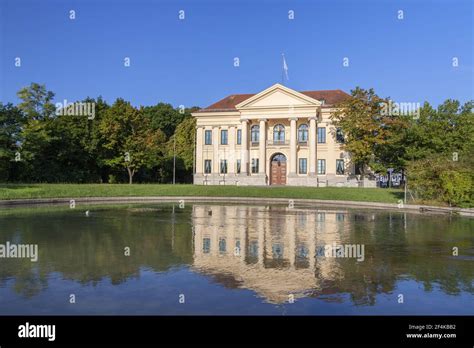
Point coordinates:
[(278, 169)]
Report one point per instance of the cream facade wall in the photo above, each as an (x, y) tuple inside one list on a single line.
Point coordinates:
[(277, 105)]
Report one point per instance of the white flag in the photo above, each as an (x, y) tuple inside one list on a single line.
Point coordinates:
[(285, 67)]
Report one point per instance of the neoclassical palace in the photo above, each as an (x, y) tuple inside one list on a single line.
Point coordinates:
[(276, 137)]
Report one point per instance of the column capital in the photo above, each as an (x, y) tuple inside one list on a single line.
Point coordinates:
[(315, 118), (263, 120), (293, 118), (244, 120)]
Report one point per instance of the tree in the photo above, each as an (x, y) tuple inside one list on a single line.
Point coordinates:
[(184, 136), (36, 102), (11, 122), (439, 149), (366, 128), (164, 117), (130, 139), (37, 152)]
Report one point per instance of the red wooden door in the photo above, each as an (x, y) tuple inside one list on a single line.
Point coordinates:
[(278, 173)]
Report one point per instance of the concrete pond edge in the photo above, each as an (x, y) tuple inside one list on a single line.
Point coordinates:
[(251, 200)]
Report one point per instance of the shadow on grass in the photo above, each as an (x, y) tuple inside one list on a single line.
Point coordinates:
[(17, 186), (397, 195)]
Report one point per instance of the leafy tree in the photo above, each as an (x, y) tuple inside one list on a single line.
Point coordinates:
[(164, 117), (366, 129), (37, 152), (184, 136), (11, 122), (130, 139), (439, 178), (439, 150), (76, 138), (36, 102)]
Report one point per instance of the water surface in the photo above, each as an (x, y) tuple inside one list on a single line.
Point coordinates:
[(235, 259)]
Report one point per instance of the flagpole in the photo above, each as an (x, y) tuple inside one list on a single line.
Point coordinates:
[(283, 70)]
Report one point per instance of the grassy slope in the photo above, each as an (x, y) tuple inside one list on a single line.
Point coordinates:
[(10, 191)]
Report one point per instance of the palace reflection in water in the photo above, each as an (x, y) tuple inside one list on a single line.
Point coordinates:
[(269, 250), (213, 252), (274, 252)]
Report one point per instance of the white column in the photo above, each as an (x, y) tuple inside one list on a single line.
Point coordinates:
[(262, 147), (293, 145), (215, 150), (243, 236), (261, 238), (292, 239), (312, 145), (244, 157), (214, 241), (199, 150), (312, 242), (231, 158)]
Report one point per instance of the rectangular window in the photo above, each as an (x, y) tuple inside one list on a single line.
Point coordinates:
[(255, 134), (208, 137), (238, 166), (207, 166), (320, 217), (223, 166), (222, 245), (340, 167), (254, 165), (239, 136), (339, 135), (321, 166), (224, 137), (303, 166), (321, 135), (206, 245)]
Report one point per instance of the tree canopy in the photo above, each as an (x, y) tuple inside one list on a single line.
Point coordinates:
[(120, 143)]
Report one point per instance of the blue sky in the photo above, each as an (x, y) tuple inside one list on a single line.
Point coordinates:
[(191, 61)]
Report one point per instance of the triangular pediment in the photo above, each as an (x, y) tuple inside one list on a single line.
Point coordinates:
[(277, 96)]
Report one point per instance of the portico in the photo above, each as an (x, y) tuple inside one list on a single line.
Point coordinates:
[(238, 138)]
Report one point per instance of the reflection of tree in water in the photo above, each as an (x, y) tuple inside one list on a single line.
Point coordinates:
[(436, 266), (421, 253), (90, 250), (30, 283), (28, 279)]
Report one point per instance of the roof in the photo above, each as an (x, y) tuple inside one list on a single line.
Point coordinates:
[(330, 97)]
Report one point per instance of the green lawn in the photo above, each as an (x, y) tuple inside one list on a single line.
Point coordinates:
[(12, 191)]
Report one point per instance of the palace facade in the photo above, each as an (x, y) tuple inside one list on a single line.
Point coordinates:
[(276, 137)]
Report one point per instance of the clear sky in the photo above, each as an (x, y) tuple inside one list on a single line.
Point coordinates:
[(191, 61)]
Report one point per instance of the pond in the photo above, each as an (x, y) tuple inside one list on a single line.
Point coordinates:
[(157, 259)]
